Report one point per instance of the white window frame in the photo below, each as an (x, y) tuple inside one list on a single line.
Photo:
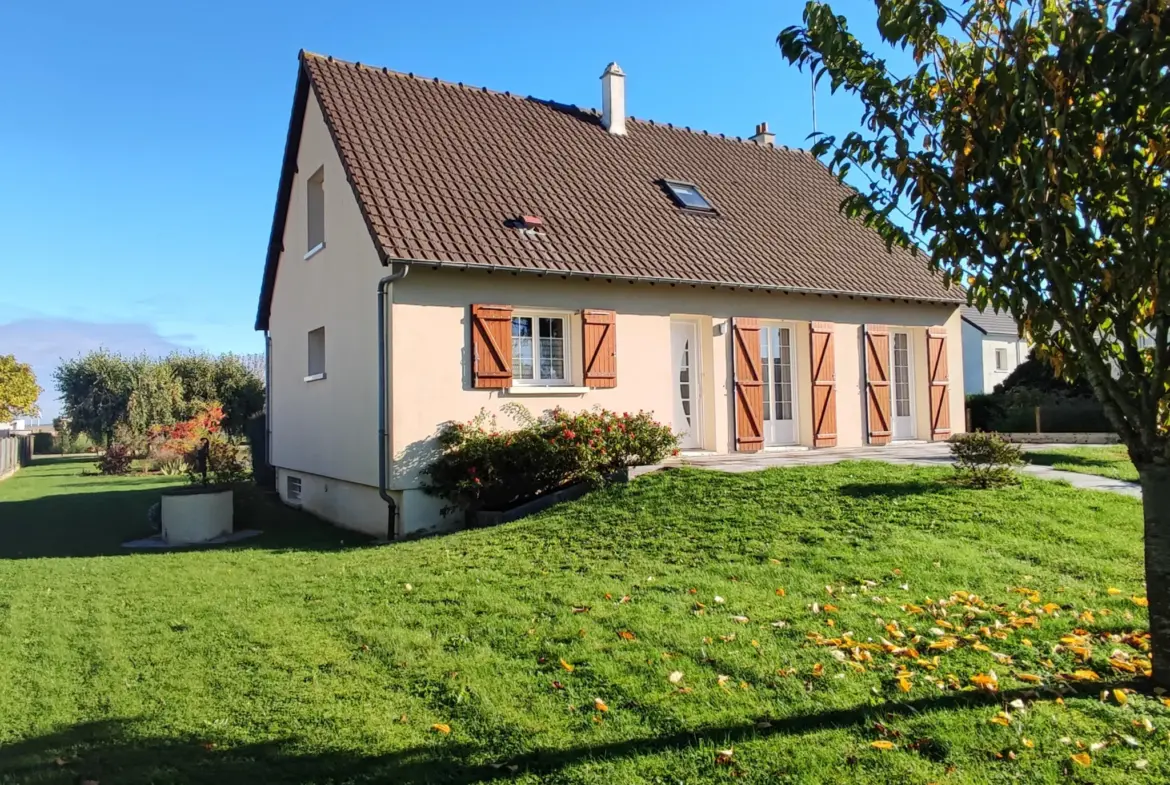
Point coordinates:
[(289, 493), (534, 314), (315, 212), (316, 374), (1004, 354)]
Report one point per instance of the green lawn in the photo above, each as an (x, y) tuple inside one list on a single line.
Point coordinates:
[(299, 658), (1104, 461)]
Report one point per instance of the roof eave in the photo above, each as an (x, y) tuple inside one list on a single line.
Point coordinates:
[(288, 170), (542, 272)]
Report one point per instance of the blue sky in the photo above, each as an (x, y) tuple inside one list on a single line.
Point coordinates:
[(142, 141)]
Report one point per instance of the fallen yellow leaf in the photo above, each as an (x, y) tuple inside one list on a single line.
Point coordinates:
[(1085, 675), (1120, 697), (818, 669), (904, 683), (1031, 678), (1028, 743), (882, 745), (1141, 602), (626, 635), (441, 727), (1001, 719), (780, 592), (1082, 758), (567, 666), (599, 704)]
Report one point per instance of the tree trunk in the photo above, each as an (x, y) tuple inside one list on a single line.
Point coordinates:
[(1156, 501)]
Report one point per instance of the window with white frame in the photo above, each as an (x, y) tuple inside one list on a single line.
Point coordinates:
[(315, 199), (540, 348), (293, 488), (1001, 359), (316, 366)]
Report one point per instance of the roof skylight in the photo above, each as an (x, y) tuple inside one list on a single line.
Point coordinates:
[(688, 196)]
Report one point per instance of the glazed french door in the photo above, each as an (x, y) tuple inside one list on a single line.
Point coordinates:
[(684, 379), (777, 364), (902, 399)]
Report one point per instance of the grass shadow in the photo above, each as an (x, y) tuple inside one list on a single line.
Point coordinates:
[(1068, 459), (894, 490), (111, 750), (97, 523)]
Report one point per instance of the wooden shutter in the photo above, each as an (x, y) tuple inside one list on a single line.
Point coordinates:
[(491, 346), (824, 385), (599, 348), (877, 382), (940, 386), (749, 385)]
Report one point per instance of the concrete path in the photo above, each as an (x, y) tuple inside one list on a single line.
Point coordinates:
[(924, 454)]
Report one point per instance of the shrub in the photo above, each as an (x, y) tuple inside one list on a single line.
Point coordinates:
[(484, 468), (225, 464), (985, 460), (115, 460)]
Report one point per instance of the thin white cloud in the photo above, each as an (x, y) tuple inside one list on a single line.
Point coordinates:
[(43, 342)]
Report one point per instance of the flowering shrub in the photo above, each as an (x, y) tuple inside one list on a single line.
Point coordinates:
[(115, 460), (485, 468), (182, 440)]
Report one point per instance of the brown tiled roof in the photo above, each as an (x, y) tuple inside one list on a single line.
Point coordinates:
[(439, 169)]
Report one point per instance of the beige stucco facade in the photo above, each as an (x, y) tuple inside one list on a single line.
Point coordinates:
[(324, 431)]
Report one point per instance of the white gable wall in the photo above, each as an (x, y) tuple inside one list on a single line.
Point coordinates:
[(325, 432)]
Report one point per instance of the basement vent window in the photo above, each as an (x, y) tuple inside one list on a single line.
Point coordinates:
[(687, 196), (293, 488)]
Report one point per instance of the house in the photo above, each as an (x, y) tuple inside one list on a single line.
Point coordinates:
[(439, 249), (992, 348)]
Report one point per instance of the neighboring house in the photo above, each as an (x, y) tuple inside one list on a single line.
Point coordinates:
[(485, 248), (992, 348), (13, 426)]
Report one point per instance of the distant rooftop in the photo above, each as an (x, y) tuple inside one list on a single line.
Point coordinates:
[(991, 322)]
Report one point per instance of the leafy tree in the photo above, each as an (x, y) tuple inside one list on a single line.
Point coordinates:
[(18, 388), (226, 379), (95, 393), (1037, 374), (1026, 148), (156, 397)]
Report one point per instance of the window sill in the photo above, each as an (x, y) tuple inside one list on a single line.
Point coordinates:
[(314, 251), (546, 390), (315, 377)]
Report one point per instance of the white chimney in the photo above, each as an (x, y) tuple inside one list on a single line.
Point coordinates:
[(613, 100), (763, 136)]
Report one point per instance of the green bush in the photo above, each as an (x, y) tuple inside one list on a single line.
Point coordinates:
[(985, 460), (485, 468)]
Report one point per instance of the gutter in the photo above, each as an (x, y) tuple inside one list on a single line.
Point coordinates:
[(383, 396)]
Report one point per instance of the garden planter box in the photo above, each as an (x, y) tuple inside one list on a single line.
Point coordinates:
[(197, 514), (493, 517)]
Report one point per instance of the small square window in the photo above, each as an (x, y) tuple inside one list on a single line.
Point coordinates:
[(688, 196), (540, 348), (315, 198), (316, 369), (293, 488), (1001, 359)]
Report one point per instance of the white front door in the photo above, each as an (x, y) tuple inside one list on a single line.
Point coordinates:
[(684, 380), (901, 392), (776, 367)]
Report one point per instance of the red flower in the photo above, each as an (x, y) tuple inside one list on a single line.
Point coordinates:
[(477, 481), (597, 430), (675, 451), (569, 434)]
